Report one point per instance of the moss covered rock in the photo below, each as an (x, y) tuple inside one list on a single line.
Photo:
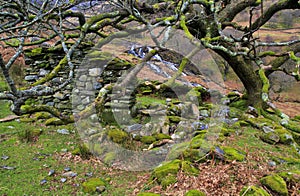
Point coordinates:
[(166, 174), (233, 154), (148, 139), (270, 138), (117, 135), (194, 193), (109, 157), (199, 142), (291, 176), (94, 185), (161, 136), (276, 184), (177, 150), (42, 115), (54, 121), (174, 119), (285, 137), (254, 191)]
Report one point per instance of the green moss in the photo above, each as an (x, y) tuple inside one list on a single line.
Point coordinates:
[(189, 169), (194, 155), (161, 136), (148, 139), (198, 142), (118, 64), (174, 119), (28, 135), (194, 193), (276, 184), (83, 151), (253, 191), (297, 118), (226, 131), (34, 52), (42, 115), (285, 136), (118, 136), (293, 126), (168, 180), (270, 138), (240, 104), (233, 154), (169, 168), (91, 185), (291, 176), (147, 194), (177, 150), (54, 121), (109, 157), (296, 137), (235, 112)]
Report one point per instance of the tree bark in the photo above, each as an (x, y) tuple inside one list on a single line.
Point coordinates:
[(248, 76)]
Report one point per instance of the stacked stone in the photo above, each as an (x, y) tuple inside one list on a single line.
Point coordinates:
[(41, 61)]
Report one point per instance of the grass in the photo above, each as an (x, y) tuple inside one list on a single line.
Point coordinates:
[(249, 142), (148, 100), (33, 161)]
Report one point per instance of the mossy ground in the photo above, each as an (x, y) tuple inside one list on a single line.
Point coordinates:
[(33, 160)]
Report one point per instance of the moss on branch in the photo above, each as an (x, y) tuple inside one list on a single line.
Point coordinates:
[(63, 62)]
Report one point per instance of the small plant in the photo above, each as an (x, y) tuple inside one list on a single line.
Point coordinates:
[(29, 135), (83, 151)]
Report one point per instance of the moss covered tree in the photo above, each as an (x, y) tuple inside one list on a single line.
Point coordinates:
[(208, 23)]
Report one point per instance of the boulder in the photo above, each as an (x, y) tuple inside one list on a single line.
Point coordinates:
[(276, 184)]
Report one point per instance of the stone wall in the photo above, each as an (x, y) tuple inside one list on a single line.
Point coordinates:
[(42, 61)]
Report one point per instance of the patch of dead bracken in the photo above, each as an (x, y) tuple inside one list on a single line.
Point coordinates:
[(217, 179)]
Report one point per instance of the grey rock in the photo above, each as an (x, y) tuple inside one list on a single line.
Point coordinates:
[(43, 72), (83, 78), (63, 131), (267, 129), (89, 174), (31, 78), (59, 95), (134, 127), (51, 172), (67, 169), (69, 174), (100, 189), (95, 72), (57, 80), (272, 163), (44, 181), (4, 157), (252, 110), (63, 180), (8, 167), (204, 113)]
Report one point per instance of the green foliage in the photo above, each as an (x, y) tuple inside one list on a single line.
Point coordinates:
[(83, 151), (28, 135), (93, 184)]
